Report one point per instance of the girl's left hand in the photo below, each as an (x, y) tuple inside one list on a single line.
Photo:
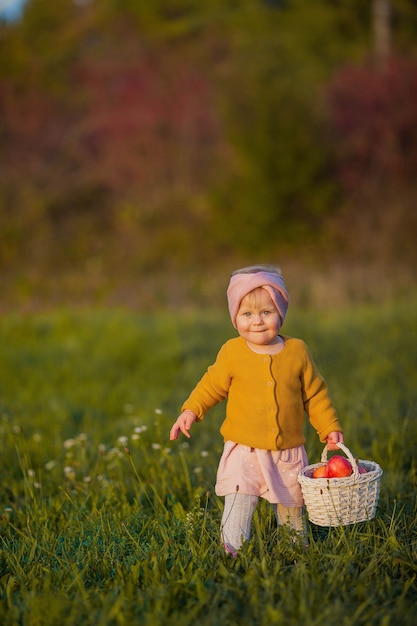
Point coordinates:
[(333, 438)]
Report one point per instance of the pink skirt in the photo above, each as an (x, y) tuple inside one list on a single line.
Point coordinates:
[(270, 474)]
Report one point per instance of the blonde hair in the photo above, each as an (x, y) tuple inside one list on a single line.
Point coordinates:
[(253, 295)]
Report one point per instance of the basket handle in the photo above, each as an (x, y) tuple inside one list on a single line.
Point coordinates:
[(349, 455)]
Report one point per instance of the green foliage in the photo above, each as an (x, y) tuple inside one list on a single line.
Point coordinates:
[(103, 521), (279, 188)]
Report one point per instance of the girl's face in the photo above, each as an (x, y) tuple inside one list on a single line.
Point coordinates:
[(258, 320)]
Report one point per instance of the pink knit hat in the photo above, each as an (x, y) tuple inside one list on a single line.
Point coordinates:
[(247, 279)]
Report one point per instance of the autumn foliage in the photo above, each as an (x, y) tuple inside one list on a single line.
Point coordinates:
[(143, 138), (374, 114)]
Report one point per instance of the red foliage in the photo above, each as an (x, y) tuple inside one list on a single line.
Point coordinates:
[(374, 115), (121, 127), (145, 123), (28, 133)]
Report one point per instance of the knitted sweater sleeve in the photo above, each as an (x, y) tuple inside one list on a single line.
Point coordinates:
[(212, 388), (317, 401)]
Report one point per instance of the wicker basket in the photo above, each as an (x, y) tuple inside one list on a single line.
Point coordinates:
[(341, 501)]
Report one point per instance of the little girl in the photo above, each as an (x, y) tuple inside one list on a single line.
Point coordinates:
[(270, 380)]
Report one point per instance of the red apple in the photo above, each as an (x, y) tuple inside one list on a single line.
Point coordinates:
[(338, 467), (320, 472)]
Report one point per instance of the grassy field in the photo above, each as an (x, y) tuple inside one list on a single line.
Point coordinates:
[(104, 522)]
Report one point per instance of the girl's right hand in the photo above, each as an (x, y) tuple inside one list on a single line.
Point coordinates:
[(183, 424)]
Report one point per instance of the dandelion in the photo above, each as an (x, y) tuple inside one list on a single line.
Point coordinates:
[(69, 472), (37, 485), (184, 445), (37, 437), (197, 470), (50, 465), (140, 429), (31, 473), (69, 443), (123, 440), (156, 446), (204, 453), (102, 448), (87, 479), (16, 429), (158, 411), (135, 437)]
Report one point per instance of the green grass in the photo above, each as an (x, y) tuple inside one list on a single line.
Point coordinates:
[(104, 522)]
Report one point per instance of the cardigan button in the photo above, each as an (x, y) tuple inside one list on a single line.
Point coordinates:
[(269, 383)]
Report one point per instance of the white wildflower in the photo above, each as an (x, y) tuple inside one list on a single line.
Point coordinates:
[(113, 452)]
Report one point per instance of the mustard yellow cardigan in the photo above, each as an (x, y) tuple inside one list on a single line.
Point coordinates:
[(267, 395)]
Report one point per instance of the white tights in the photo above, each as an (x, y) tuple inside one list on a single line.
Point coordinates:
[(237, 519)]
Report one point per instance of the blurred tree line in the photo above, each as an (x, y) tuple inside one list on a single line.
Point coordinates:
[(145, 138)]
